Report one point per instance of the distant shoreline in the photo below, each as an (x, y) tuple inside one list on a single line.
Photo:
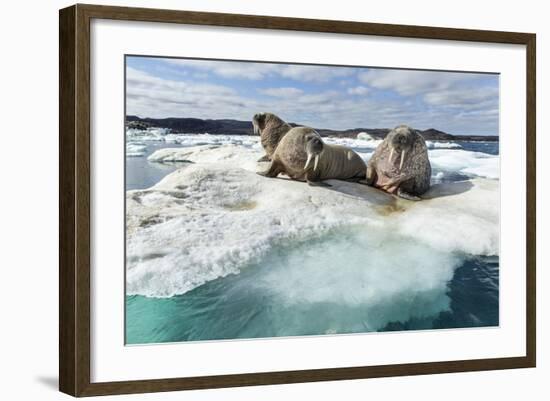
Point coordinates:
[(237, 127)]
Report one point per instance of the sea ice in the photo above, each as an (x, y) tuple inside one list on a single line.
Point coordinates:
[(473, 164), (150, 134), (442, 145), (215, 217), (135, 149), (234, 155)]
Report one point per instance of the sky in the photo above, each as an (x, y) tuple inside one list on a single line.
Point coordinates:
[(333, 97)]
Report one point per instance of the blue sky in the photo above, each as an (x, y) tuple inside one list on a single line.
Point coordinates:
[(317, 96)]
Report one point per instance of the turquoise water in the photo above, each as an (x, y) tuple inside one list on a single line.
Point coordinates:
[(310, 289), (351, 281)]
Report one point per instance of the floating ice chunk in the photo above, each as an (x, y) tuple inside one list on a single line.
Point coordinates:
[(159, 131), (356, 144), (178, 154), (471, 163), (135, 149), (234, 155), (208, 139), (364, 136), (150, 134), (216, 216), (172, 138), (442, 145)]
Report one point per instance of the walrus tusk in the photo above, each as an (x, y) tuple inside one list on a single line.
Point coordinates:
[(316, 162), (349, 155), (308, 160), (256, 130), (391, 154), (402, 159)]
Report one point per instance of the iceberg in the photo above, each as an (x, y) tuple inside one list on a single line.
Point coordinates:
[(135, 149), (364, 136)]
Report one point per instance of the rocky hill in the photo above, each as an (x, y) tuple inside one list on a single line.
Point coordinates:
[(236, 127)]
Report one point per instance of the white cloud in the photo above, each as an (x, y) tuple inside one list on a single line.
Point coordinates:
[(463, 98), (358, 90), (257, 71), (150, 96), (309, 73), (411, 82), (281, 92), (476, 96), (228, 69)]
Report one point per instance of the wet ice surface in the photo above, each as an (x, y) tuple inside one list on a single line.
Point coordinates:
[(216, 251)]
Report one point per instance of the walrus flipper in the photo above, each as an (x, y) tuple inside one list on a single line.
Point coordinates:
[(264, 158), (405, 195), (318, 184), (370, 176), (272, 172), (314, 180)]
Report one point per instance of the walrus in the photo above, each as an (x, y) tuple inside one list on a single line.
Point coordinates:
[(302, 155), (400, 164), (271, 129)]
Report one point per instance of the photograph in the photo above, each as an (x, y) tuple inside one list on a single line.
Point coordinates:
[(276, 199)]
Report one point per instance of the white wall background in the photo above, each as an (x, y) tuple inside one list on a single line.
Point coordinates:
[(28, 198)]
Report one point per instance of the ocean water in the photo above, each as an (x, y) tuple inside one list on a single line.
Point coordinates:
[(338, 281)]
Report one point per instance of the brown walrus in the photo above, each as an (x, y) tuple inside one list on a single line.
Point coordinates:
[(302, 155), (271, 129), (400, 164)]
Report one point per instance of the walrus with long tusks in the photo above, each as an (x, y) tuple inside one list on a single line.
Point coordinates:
[(271, 129), (400, 164), (302, 155)]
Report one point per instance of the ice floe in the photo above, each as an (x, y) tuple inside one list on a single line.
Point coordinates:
[(215, 216), (364, 136), (369, 144), (474, 164), (234, 155), (150, 134), (135, 149), (442, 145)]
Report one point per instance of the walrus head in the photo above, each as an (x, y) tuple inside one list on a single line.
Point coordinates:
[(260, 120), (400, 141), (313, 145)]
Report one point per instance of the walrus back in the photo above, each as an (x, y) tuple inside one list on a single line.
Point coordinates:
[(341, 162), (272, 134), (420, 167)]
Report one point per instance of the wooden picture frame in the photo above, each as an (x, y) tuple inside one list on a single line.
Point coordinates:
[(74, 199)]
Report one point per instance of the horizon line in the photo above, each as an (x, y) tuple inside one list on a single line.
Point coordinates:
[(300, 125)]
